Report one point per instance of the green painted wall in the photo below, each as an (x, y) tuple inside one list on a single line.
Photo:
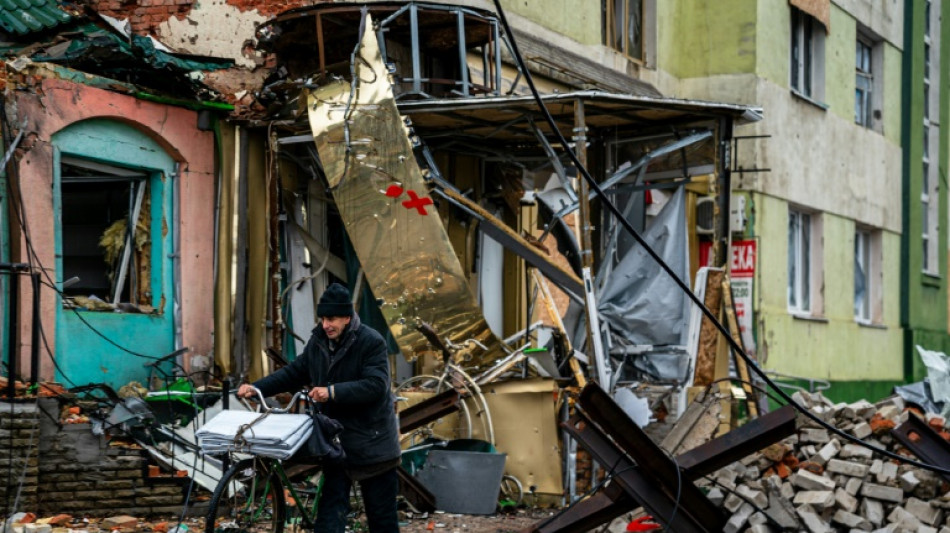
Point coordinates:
[(580, 21), (835, 346), (846, 391), (924, 302), (695, 42), (83, 353)]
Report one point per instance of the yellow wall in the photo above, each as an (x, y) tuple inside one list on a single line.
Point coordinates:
[(834, 347)]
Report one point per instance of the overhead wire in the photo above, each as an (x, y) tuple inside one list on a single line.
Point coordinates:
[(19, 211), (679, 282)]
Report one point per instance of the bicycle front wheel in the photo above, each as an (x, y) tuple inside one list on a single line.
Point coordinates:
[(248, 499)]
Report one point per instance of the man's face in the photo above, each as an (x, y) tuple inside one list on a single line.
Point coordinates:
[(334, 325)]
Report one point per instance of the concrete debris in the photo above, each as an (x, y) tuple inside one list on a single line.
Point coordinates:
[(817, 481)]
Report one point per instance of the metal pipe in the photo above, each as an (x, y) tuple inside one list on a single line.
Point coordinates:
[(35, 333), (496, 49), (14, 285), (416, 63), (463, 55), (176, 261)]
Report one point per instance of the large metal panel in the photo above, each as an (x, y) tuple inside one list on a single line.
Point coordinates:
[(381, 195)]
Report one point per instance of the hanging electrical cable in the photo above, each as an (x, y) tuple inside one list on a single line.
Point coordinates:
[(679, 282)]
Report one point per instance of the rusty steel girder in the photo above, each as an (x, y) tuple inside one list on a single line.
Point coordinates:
[(642, 474)]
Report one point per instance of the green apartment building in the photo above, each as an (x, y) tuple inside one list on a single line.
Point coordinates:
[(924, 106), (843, 182)]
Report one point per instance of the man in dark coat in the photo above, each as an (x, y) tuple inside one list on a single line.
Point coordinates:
[(346, 364)]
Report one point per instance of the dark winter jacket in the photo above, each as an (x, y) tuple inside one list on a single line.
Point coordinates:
[(362, 398)]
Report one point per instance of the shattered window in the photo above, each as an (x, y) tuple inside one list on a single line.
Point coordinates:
[(807, 49), (104, 264)]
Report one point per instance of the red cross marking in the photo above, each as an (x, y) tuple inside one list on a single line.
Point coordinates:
[(419, 204)]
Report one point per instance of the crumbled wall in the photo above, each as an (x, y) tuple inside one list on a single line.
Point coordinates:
[(219, 28), (70, 470)]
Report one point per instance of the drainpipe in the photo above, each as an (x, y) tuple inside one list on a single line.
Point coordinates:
[(176, 259), (5, 283)]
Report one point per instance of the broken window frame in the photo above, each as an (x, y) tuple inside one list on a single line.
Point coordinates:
[(621, 17), (806, 56), (127, 284)]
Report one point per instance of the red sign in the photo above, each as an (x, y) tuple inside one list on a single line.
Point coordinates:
[(742, 263)]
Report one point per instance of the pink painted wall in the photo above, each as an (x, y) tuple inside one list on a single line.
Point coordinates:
[(55, 105)]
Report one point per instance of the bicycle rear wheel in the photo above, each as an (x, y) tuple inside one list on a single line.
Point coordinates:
[(248, 499)]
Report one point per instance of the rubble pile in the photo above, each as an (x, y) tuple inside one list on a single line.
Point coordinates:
[(817, 481)]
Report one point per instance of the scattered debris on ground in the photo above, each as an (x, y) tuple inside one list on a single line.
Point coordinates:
[(818, 481)]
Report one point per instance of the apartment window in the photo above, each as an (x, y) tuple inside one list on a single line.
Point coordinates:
[(799, 262), (624, 27), (807, 55), (930, 188), (863, 83), (866, 276)]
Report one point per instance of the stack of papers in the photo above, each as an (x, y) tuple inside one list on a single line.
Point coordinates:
[(270, 435)]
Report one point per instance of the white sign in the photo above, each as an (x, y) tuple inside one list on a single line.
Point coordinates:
[(742, 275)]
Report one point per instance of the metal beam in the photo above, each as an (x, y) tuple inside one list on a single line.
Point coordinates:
[(926, 443)]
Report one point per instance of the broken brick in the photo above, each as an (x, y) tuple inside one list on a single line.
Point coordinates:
[(881, 425), (776, 452), (936, 423), (782, 470), (60, 519), (120, 522), (812, 467)]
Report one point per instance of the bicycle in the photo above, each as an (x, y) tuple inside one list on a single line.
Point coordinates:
[(257, 495)]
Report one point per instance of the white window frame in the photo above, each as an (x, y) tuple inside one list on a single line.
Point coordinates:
[(804, 263), (864, 82), (806, 56), (868, 305)]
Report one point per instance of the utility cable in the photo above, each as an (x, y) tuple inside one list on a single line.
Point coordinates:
[(679, 282)]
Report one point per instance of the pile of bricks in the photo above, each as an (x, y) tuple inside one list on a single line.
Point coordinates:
[(817, 481)]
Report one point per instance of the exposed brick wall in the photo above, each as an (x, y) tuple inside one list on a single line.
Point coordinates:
[(71, 470), (146, 15), (19, 447)]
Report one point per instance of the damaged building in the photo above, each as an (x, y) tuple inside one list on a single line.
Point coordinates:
[(174, 215)]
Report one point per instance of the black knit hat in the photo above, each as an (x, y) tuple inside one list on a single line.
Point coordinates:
[(335, 301)]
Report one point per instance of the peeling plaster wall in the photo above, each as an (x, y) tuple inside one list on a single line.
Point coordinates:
[(214, 28), (58, 104)]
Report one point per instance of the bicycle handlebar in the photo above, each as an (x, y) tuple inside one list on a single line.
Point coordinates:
[(263, 404)]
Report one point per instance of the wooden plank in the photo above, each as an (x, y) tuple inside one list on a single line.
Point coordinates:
[(708, 334), (733, 324)]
